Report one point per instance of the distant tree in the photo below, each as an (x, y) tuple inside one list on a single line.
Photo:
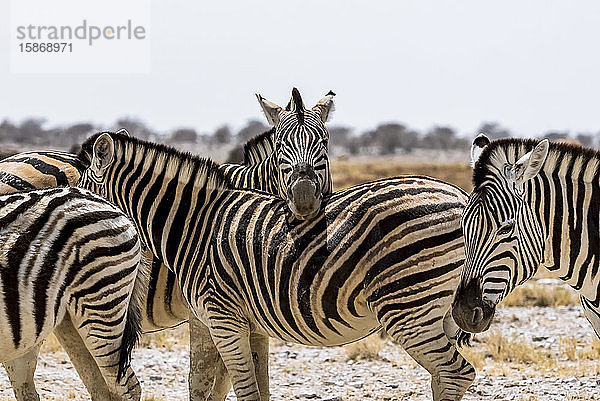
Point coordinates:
[(136, 128), (76, 134), (354, 146), (587, 140), (183, 135), (222, 135), (75, 148), (390, 136), (340, 135), (31, 131), (250, 130), (8, 131), (440, 138), (493, 130), (236, 155), (556, 135)]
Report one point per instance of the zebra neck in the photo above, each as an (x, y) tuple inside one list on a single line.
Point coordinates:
[(165, 201), (261, 176), (568, 211)]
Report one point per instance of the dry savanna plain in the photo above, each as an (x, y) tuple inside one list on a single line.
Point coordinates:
[(540, 347)]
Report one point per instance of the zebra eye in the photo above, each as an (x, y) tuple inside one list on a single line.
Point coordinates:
[(506, 228)]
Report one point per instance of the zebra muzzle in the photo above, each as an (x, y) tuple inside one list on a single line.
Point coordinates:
[(470, 311), (304, 200)]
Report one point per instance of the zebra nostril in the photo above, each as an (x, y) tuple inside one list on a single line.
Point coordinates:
[(477, 315)]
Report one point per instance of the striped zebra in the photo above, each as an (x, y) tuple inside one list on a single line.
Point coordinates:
[(381, 254), (31, 170), (164, 305), (296, 165), (534, 204), (68, 252)]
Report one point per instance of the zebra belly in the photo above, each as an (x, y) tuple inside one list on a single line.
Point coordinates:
[(164, 306), (340, 336), (319, 330)]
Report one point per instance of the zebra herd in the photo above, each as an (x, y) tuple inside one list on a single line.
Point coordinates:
[(154, 237)]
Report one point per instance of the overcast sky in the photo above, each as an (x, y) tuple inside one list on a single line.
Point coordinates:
[(531, 65)]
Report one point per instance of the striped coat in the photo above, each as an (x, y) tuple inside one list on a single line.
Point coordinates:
[(535, 204), (382, 254), (65, 251)]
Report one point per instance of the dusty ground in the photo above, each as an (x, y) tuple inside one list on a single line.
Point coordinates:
[(529, 354)]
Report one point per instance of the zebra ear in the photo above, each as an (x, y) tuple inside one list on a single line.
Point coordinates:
[(530, 165), (123, 131), (480, 142), (104, 153), (325, 106), (271, 110)]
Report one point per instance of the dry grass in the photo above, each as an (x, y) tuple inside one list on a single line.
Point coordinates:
[(169, 339), (348, 173), (541, 295), (476, 358), (501, 348), (577, 350), (368, 348), (153, 398), (499, 355)]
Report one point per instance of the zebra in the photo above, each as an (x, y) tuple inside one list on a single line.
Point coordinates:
[(296, 165), (164, 305), (534, 203), (68, 252), (34, 170), (385, 254)]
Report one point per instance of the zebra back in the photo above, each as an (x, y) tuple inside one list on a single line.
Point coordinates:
[(46, 169)]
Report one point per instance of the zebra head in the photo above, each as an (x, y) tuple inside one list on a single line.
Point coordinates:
[(301, 159), (98, 159), (503, 237)]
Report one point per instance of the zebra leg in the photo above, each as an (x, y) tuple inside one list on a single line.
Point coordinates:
[(95, 336), (430, 346), (232, 339), (222, 382), (104, 332), (84, 363), (20, 372), (260, 356), (208, 378), (591, 311)]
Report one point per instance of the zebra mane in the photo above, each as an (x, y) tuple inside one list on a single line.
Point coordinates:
[(156, 154), (259, 148), (509, 150)]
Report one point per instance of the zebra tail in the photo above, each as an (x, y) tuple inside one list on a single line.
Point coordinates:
[(133, 323)]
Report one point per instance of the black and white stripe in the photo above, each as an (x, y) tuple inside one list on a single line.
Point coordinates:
[(382, 254), (534, 204), (164, 306), (31, 170), (68, 252), (298, 168)]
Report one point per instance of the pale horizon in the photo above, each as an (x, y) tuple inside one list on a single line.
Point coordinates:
[(532, 67)]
